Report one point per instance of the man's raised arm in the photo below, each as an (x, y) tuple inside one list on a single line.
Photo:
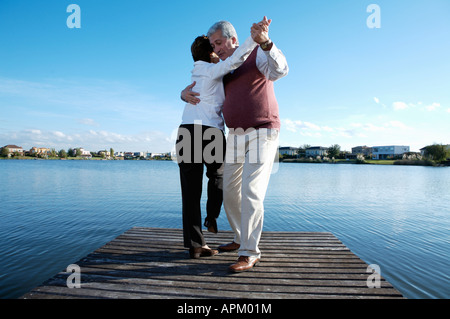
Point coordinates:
[(270, 60)]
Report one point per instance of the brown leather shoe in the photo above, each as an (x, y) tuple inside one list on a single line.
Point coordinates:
[(196, 253), (229, 247), (244, 263)]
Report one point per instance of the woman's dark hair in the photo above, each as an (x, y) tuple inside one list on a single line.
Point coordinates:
[(201, 49)]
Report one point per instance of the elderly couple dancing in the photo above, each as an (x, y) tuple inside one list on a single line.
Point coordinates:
[(239, 90)]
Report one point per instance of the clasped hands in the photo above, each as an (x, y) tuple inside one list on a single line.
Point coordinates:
[(260, 31)]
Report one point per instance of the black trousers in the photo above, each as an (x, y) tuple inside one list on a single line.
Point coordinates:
[(194, 152)]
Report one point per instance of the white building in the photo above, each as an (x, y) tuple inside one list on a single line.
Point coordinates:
[(363, 150), (14, 149), (84, 153), (316, 151), (39, 150), (291, 151), (388, 152)]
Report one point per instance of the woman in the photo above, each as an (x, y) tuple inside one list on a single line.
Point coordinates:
[(206, 116)]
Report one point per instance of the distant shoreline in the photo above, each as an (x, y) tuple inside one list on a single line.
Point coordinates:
[(286, 160), (30, 158), (369, 162)]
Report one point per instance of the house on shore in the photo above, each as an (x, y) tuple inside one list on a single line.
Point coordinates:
[(13, 149), (389, 152), (36, 151), (288, 151), (363, 150), (315, 151), (85, 154)]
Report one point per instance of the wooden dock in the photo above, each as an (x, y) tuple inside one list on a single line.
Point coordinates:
[(152, 263)]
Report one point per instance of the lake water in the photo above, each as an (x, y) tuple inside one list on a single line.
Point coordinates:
[(55, 212)]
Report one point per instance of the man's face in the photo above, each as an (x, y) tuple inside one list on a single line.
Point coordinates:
[(222, 46)]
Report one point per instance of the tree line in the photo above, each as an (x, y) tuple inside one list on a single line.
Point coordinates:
[(52, 153), (436, 153)]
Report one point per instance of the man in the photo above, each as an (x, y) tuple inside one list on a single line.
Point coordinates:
[(251, 113)]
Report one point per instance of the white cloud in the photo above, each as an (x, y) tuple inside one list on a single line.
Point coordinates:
[(73, 107), (86, 101), (290, 125), (311, 126), (433, 107), (373, 128), (397, 124), (419, 106), (400, 105), (370, 127), (303, 127), (87, 121), (364, 131), (343, 132), (91, 140), (59, 134), (377, 100)]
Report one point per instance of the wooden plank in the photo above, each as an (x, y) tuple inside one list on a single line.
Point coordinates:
[(152, 263)]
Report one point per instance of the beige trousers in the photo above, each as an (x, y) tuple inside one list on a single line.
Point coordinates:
[(249, 160)]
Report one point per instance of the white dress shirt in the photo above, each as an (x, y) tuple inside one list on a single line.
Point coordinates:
[(272, 63)]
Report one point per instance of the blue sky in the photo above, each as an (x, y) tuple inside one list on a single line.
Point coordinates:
[(115, 82)]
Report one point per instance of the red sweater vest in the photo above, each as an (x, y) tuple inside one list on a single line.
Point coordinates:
[(249, 98)]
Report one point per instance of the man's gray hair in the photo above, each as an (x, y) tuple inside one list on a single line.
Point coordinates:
[(227, 29)]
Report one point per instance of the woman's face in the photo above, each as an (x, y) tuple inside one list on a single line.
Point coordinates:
[(214, 57)]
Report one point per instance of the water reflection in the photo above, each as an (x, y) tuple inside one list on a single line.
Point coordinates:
[(55, 212)]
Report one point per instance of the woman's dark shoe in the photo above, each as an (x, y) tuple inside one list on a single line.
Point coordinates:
[(211, 225), (196, 253)]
